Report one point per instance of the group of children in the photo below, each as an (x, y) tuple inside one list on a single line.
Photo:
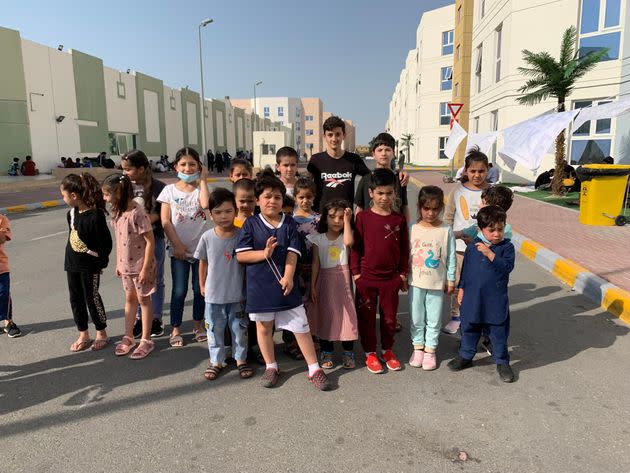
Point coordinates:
[(288, 253)]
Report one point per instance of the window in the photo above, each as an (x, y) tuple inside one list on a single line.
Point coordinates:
[(478, 67), (498, 35), (445, 115), (281, 111), (266, 112), (308, 132), (447, 42), (446, 78), (482, 9), (308, 118), (600, 19), (592, 141), (441, 145), (281, 122), (268, 149), (120, 88), (494, 119)]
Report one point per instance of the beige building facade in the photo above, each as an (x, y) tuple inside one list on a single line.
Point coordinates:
[(313, 119)]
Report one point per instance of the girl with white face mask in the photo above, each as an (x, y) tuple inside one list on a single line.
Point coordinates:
[(184, 220)]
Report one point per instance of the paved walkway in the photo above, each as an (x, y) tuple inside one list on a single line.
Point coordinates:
[(601, 250)]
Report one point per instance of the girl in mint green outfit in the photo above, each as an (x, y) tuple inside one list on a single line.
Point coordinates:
[(433, 264)]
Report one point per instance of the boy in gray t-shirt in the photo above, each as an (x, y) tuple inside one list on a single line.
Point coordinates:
[(223, 290)]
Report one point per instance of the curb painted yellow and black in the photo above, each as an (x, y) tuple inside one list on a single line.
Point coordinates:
[(48, 204), (608, 296)]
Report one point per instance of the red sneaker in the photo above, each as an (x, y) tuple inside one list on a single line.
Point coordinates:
[(373, 364), (391, 361)]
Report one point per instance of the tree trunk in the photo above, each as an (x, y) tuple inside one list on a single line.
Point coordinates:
[(556, 184)]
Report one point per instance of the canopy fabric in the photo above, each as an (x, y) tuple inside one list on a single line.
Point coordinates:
[(527, 142), (597, 112), (483, 140), (454, 139)]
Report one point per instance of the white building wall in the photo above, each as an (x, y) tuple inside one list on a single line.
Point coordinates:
[(209, 117), (122, 113), (248, 132), (173, 121), (516, 18), (229, 124), (49, 72), (273, 140)]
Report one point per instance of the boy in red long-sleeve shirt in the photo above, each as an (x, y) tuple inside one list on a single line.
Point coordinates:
[(379, 262)]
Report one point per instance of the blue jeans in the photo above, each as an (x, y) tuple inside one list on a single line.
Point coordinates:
[(5, 297), (157, 298), (218, 316), (180, 269)]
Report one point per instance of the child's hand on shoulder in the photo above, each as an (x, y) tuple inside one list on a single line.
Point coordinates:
[(485, 250)]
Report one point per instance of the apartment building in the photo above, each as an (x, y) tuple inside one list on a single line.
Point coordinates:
[(313, 119), (57, 103), (419, 105), (487, 43), (282, 110)]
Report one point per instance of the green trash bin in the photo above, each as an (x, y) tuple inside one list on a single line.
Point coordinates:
[(603, 194)]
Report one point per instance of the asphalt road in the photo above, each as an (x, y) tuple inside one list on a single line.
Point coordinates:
[(60, 411)]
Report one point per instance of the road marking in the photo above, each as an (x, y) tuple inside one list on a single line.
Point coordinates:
[(48, 236)]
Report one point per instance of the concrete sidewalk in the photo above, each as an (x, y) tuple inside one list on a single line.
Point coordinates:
[(593, 260)]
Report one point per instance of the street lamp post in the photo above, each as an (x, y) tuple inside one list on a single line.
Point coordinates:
[(204, 151), (255, 105)]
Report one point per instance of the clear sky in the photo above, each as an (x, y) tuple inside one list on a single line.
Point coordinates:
[(347, 52)]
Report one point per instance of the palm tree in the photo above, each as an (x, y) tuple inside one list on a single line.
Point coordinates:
[(556, 78), (406, 142)]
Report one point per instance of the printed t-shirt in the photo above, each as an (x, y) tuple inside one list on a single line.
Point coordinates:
[(332, 253), (467, 204), (433, 258), (187, 216), (130, 244), (224, 284), (334, 177), (264, 293)]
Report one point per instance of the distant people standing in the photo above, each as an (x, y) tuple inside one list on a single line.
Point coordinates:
[(69, 163), (210, 156), (62, 164), (226, 159), (219, 162), (28, 167)]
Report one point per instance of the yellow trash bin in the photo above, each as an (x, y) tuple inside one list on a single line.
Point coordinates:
[(603, 194)]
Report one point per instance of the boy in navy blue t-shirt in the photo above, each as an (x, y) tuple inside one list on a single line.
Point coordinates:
[(269, 246)]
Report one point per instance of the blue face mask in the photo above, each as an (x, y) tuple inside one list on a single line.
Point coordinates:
[(188, 178), (483, 238)]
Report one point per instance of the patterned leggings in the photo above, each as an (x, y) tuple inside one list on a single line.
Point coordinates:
[(84, 297)]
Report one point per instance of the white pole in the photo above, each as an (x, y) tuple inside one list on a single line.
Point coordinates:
[(204, 150)]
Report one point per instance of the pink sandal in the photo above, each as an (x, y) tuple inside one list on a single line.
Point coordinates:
[(123, 348), (143, 350)]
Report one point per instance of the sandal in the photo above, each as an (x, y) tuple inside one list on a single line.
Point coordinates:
[(293, 351), (245, 371), (143, 350), (176, 341), (327, 360), (200, 335), (100, 343), (212, 372), (80, 345), (123, 348), (348, 360)]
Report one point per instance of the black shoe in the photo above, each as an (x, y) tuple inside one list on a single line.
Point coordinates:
[(486, 345), (12, 330), (458, 363), (505, 373), (157, 329), (137, 328)]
